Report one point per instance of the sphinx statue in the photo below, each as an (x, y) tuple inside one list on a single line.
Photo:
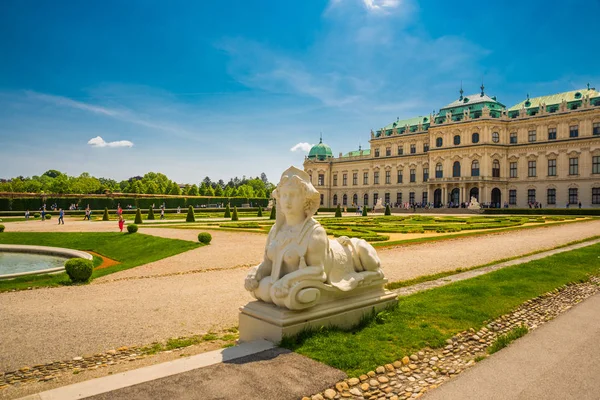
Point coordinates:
[(302, 267)]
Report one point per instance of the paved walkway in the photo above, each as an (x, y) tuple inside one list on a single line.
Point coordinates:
[(559, 361)]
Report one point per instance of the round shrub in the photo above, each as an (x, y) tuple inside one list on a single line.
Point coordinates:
[(1, 228), (132, 228), (36, 215), (79, 269), (204, 237), (48, 216)]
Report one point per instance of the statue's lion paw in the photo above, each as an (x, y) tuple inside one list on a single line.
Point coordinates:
[(251, 284), (281, 291)]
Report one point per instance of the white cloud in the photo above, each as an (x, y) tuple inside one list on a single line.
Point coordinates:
[(381, 5), (302, 146), (99, 142)]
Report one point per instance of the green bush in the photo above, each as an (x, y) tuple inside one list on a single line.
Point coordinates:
[(48, 216), (138, 216), (105, 216), (273, 213), (190, 215), (150, 213), (79, 269), (364, 211), (234, 216), (388, 210), (227, 212), (338, 212), (36, 215), (259, 214), (132, 228), (1, 228), (204, 237)]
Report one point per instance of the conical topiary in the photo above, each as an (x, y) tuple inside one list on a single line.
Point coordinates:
[(105, 216), (150, 213), (338, 212), (272, 216), (138, 217), (388, 210), (190, 215), (259, 214), (234, 216), (364, 212), (227, 211)]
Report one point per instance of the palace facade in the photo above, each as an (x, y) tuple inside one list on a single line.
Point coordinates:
[(544, 149)]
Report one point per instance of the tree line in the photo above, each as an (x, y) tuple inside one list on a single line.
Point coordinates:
[(53, 181)]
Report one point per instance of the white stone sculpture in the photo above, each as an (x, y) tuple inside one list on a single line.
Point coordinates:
[(474, 204), (302, 266), (379, 205)]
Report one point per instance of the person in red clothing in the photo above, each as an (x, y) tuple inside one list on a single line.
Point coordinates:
[(121, 222)]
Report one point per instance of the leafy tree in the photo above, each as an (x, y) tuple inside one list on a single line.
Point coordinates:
[(193, 191), (219, 191), (52, 173), (190, 215), (209, 191), (138, 217), (175, 191)]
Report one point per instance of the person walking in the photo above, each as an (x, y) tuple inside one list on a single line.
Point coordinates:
[(162, 213), (26, 214), (43, 213), (121, 223), (579, 204), (61, 216)]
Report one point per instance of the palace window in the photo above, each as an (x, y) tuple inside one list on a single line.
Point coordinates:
[(551, 197), (413, 148), (376, 178), (321, 181), (335, 199), (413, 175), (456, 140), (425, 174), (551, 167), (366, 199), (496, 169), (531, 136), (354, 178), (375, 198), (513, 169), (400, 150), (475, 137), (513, 138), (345, 200), (439, 142), (376, 152), (475, 168), (596, 165), (354, 199), (411, 197), (335, 180), (424, 197), (388, 151), (595, 195), (574, 166), (386, 198), (439, 171), (531, 196), (495, 137), (596, 128), (388, 177), (551, 133), (456, 169), (344, 179), (365, 178), (400, 176), (573, 131), (425, 147), (531, 171), (512, 197), (573, 196), (399, 198)]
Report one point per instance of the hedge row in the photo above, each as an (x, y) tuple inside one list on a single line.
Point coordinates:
[(99, 203), (543, 211)]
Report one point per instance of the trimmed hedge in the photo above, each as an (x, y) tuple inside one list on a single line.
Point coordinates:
[(132, 228), (234, 216), (150, 213), (1, 228), (227, 212), (364, 211), (273, 213), (190, 215), (48, 216), (138, 217), (79, 269), (204, 237), (388, 210), (105, 216), (259, 214)]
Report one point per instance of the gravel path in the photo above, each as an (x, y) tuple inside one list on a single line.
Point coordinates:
[(46, 325)]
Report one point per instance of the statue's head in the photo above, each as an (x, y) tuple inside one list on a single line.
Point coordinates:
[(294, 179)]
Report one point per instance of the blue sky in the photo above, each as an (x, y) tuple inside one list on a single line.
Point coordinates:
[(228, 88)]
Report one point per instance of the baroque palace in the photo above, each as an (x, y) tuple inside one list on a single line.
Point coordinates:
[(542, 150)]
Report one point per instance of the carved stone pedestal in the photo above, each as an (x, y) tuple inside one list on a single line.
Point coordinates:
[(259, 320)]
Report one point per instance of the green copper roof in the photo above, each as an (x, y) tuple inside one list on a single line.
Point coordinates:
[(320, 151), (355, 153), (401, 123), (465, 101), (574, 95)]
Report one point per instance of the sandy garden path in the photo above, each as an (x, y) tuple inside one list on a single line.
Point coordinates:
[(54, 324)]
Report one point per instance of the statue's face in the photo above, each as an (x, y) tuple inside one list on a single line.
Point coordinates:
[(291, 200)]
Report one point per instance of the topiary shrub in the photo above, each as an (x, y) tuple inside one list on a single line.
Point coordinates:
[(138, 216), (132, 228), (105, 216), (36, 215), (259, 214), (1, 228), (388, 210), (273, 213), (234, 216), (227, 212), (204, 237), (150, 213), (79, 269), (364, 212), (48, 216), (338, 212), (190, 215)]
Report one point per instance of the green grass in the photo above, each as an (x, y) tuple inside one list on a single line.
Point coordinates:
[(182, 342), (504, 340), (429, 318), (130, 250)]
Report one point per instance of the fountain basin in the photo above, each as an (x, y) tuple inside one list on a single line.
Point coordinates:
[(20, 260)]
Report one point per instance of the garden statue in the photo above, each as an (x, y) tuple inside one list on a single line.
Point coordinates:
[(302, 267), (474, 204)]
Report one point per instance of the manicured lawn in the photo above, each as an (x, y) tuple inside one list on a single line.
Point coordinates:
[(431, 317), (129, 250)]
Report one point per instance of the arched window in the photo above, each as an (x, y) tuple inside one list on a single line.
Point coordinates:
[(456, 169), (475, 138), (456, 140), (495, 137), (366, 200), (475, 168), (439, 171), (335, 199), (355, 199), (438, 142), (345, 200), (496, 169)]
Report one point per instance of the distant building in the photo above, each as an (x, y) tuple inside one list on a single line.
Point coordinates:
[(543, 149)]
